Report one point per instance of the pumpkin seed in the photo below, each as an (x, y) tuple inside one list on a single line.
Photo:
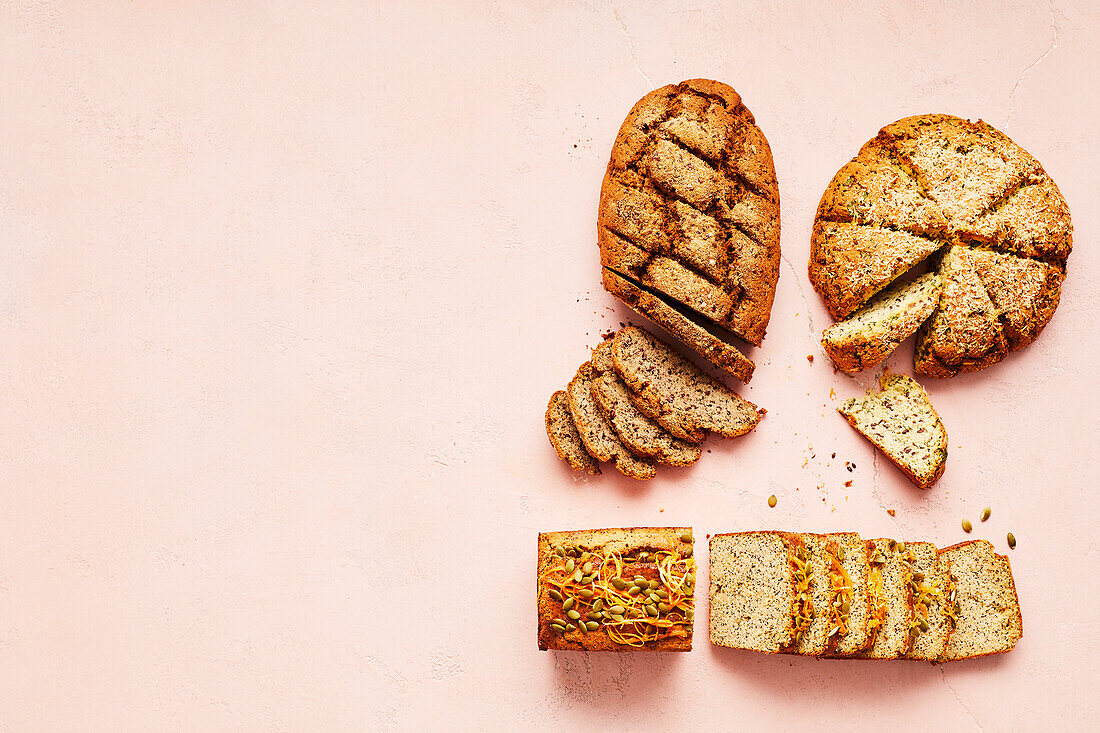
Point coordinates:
[(651, 610), (569, 603), (689, 614), (686, 536), (586, 593), (587, 568), (967, 526), (1011, 541), (570, 565), (619, 583), (618, 617), (578, 575), (985, 514), (556, 595), (633, 590), (586, 579), (571, 627), (592, 625), (901, 547), (639, 580), (688, 552), (583, 628), (663, 607), (616, 610), (598, 605), (559, 622), (557, 629), (573, 615), (772, 501), (663, 594)]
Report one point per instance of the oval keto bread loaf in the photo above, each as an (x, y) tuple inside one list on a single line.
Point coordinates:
[(689, 205), (940, 184)]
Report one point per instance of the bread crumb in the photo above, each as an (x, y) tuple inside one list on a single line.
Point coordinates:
[(891, 512), (810, 358)]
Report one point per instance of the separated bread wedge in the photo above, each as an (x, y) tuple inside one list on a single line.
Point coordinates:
[(848, 611), (597, 435), (564, 436), (933, 594), (752, 591), (891, 605), (873, 332), (900, 421), (989, 619), (675, 393)]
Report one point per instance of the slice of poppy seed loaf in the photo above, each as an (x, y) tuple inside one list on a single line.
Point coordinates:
[(598, 437), (901, 422), (931, 601), (677, 394), (752, 591), (813, 639), (873, 332), (890, 598), (564, 436), (989, 620), (849, 630)]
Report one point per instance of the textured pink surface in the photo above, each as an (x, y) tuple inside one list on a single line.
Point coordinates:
[(284, 291)]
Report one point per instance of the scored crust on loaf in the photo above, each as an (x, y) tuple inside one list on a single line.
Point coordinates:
[(597, 435), (954, 183), (989, 619), (873, 332), (932, 601), (611, 561), (752, 591), (900, 421), (690, 204), (891, 600), (697, 335), (850, 552), (675, 393), (564, 436)]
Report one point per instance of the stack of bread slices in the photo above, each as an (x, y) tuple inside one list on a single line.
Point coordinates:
[(638, 403), (837, 595)]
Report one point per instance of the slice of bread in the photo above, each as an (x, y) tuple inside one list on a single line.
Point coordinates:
[(636, 431), (933, 605), (752, 591), (890, 599), (590, 595), (989, 619), (681, 398), (704, 338), (598, 437), (564, 436), (873, 332), (849, 610), (901, 422), (812, 640)]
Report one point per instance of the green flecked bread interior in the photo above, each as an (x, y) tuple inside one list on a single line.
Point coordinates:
[(752, 591), (989, 620), (901, 422)]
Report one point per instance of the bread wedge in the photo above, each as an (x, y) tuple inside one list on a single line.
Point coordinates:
[(873, 332), (849, 610), (675, 393), (891, 611), (597, 435), (989, 619), (564, 436), (932, 591), (900, 421), (752, 591), (597, 610)]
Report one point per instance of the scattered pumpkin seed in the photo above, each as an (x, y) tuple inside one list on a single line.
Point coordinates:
[(688, 552), (570, 565), (571, 627), (686, 536), (1011, 541), (591, 625), (901, 547), (558, 628), (559, 622), (651, 610), (598, 605), (587, 568), (619, 584), (569, 603), (663, 607), (985, 514), (573, 614), (556, 595), (633, 590), (618, 617), (616, 610), (967, 526), (586, 593), (663, 594)]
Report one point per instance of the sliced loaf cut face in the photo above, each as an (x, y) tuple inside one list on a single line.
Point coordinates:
[(675, 393), (636, 431), (873, 332), (597, 435), (889, 580), (701, 337), (933, 593), (849, 263), (564, 436), (849, 609), (811, 638), (900, 421), (989, 619), (752, 591)]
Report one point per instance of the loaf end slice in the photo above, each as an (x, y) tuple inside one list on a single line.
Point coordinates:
[(989, 618), (564, 436), (752, 591), (900, 421)]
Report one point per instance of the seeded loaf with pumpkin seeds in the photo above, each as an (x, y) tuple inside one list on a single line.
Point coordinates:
[(889, 578), (661, 556), (849, 608), (873, 332), (598, 437), (933, 602), (752, 591), (690, 205), (900, 421), (989, 619), (675, 393), (564, 436), (703, 338), (811, 637)]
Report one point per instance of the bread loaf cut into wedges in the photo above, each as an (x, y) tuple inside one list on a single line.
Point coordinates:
[(812, 624), (597, 435), (701, 337), (752, 591), (891, 612), (584, 595), (873, 332), (675, 393), (564, 436), (849, 610), (1025, 292), (932, 591), (989, 619), (636, 431), (900, 421)]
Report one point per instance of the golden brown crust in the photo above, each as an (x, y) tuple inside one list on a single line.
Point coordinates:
[(625, 541), (690, 204)]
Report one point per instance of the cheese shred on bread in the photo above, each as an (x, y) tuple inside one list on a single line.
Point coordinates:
[(901, 422), (752, 591), (989, 620), (849, 609), (890, 599)]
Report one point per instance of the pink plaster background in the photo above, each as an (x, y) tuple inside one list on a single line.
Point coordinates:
[(284, 289)]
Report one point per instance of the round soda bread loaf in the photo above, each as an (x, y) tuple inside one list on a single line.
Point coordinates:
[(973, 204), (689, 206)]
